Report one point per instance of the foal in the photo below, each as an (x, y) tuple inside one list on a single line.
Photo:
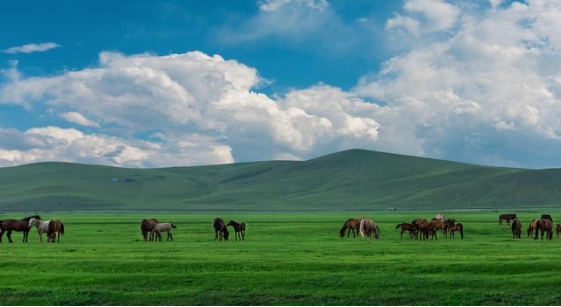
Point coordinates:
[(239, 229), (159, 228)]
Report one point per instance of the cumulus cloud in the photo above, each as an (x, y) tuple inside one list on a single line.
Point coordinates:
[(77, 118), (190, 94), (491, 85), (30, 48)]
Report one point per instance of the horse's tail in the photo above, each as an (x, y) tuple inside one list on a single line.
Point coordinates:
[(61, 228), (398, 225), (172, 226)]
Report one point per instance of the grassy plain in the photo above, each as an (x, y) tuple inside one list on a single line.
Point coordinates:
[(288, 258)]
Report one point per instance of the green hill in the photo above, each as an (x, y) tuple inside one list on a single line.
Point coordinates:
[(348, 180)]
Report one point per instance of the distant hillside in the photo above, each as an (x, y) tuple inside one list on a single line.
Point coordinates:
[(348, 180)]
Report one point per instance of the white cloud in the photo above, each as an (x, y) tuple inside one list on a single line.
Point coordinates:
[(77, 118), (425, 16), (193, 94), (492, 77), (30, 48)]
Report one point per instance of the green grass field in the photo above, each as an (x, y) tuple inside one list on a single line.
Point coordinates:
[(288, 258)]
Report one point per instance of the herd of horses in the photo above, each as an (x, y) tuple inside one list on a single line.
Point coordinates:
[(418, 229), (542, 226), (53, 228)]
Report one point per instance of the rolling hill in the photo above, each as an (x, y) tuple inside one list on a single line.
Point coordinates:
[(348, 180)]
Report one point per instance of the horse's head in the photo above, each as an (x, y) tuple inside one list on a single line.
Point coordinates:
[(33, 221), (230, 223), (226, 234)]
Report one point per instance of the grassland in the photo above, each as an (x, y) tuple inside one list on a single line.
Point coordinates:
[(350, 180), (288, 258)]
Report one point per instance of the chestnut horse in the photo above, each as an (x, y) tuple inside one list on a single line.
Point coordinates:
[(239, 229), (146, 226), (457, 227), (16, 225), (506, 217), (533, 225), (544, 225), (220, 229), (516, 228), (55, 227), (412, 228), (350, 224)]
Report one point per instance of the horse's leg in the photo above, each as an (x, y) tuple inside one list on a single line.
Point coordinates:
[(9, 235)]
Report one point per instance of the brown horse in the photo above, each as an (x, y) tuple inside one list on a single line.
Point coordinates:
[(457, 227), (146, 226), (368, 228), (220, 229), (544, 225), (350, 225), (533, 225), (16, 225), (558, 229), (412, 228), (547, 217), (447, 224), (425, 229), (239, 229), (156, 232), (516, 228), (55, 227), (506, 217)]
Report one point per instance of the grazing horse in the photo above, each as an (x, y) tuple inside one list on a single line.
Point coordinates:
[(506, 217), (42, 227), (239, 229), (350, 224), (457, 227), (369, 228), (220, 229), (544, 225), (16, 225), (412, 228), (146, 226), (55, 227), (533, 225), (159, 228), (516, 228), (558, 229)]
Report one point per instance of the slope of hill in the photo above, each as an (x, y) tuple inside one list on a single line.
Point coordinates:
[(348, 180)]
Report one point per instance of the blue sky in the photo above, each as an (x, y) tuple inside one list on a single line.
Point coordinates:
[(163, 83)]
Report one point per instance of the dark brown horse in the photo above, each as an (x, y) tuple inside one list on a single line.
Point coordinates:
[(457, 227), (447, 225), (425, 229), (239, 229), (16, 225), (558, 229), (220, 229), (350, 225), (412, 228), (146, 226), (547, 217), (506, 217), (544, 226), (516, 228), (55, 227)]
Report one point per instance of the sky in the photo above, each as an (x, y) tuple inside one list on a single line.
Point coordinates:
[(178, 83)]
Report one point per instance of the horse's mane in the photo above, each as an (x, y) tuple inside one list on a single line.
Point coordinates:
[(30, 217)]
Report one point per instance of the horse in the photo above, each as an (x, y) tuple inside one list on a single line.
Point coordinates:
[(55, 227), (544, 225), (558, 229), (146, 226), (159, 228), (447, 224), (220, 229), (412, 228), (16, 225), (42, 227), (516, 228), (533, 225), (350, 224), (367, 228), (439, 217), (424, 228), (457, 227), (547, 217), (239, 229), (506, 217)]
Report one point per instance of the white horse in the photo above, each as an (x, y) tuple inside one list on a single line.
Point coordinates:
[(440, 217), (367, 228), (42, 227), (159, 228)]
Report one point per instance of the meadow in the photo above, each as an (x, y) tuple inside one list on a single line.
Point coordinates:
[(287, 258)]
